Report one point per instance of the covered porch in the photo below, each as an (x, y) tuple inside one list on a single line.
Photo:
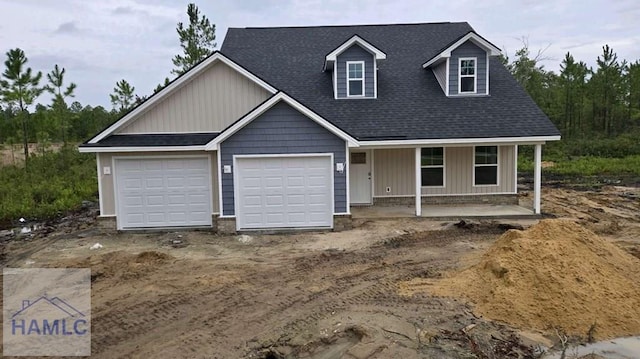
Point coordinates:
[(441, 181), (444, 212)]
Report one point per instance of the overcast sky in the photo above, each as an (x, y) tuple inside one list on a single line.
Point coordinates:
[(101, 42)]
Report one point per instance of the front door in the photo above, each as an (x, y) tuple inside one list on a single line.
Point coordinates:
[(360, 177)]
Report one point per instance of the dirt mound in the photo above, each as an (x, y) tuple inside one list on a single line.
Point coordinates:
[(554, 275), (120, 264), (152, 257)]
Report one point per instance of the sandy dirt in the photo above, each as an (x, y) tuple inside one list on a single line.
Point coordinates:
[(307, 295), (554, 275), (14, 154)]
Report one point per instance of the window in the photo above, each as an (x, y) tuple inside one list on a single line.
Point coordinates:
[(467, 83), (355, 78), (432, 166), (358, 158), (486, 166)]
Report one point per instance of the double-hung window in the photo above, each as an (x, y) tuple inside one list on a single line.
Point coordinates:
[(432, 166), (467, 83), (485, 166), (355, 78)]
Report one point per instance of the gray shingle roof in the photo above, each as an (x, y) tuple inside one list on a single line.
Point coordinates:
[(410, 103), (150, 140)]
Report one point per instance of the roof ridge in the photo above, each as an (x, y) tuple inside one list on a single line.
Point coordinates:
[(350, 25)]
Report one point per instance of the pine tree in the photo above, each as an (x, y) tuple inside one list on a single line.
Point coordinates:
[(59, 105), (196, 40), (573, 76), (21, 87), (123, 96)]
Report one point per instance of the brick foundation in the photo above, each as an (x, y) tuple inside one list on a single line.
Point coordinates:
[(225, 225), (497, 199), (228, 225), (342, 223), (107, 223)]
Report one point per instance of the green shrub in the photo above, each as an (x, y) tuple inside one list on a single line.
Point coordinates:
[(53, 184), (586, 166), (593, 166)]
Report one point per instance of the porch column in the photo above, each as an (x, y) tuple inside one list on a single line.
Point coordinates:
[(537, 168), (418, 183)]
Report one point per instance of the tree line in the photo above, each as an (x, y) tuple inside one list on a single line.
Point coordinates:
[(24, 120), (583, 102)]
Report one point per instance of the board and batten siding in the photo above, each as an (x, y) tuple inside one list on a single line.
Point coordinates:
[(468, 49), (355, 53), (440, 71), (395, 168), (107, 189), (209, 103), (282, 130)]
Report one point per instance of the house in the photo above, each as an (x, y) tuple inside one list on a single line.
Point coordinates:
[(291, 127)]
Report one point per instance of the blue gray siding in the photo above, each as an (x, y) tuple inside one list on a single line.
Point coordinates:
[(355, 53), (282, 130), (440, 71), (468, 49)]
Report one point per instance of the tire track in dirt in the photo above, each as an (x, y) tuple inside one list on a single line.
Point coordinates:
[(372, 288)]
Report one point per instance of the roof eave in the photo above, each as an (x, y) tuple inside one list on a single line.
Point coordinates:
[(103, 149), (471, 36), (355, 39), (525, 140)]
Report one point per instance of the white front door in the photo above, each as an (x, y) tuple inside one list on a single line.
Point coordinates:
[(360, 177)]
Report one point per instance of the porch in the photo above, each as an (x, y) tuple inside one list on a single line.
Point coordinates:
[(446, 181), (444, 212)]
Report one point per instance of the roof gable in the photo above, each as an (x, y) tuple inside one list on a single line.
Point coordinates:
[(176, 85), (331, 57), (280, 96), (478, 40)]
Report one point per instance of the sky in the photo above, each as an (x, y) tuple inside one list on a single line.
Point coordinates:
[(101, 42)]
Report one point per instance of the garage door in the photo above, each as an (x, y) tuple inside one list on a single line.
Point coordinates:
[(284, 192), (163, 192)]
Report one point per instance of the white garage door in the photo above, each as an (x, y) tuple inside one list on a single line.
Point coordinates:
[(163, 192), (284, 192)]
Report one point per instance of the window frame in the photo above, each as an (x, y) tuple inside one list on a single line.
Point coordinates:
[(443, 166), (361, 79), (496, 165), (475, 75)]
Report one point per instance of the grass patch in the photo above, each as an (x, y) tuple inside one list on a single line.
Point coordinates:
[(53, 184), (587, 166)]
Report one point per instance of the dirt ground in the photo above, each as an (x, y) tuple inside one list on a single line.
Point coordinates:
[(308, 295), (14, 154)]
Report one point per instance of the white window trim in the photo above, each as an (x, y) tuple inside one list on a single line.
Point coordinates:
[(375, 78), (497, 165), (355, 79), (475, 75), (443, 166), (486, 91)]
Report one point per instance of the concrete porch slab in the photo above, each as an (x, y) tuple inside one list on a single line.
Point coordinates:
[(444, 212)]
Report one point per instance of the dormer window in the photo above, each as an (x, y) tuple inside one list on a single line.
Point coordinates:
[(355, 78), (355, 69), (462, 68), (468, 79)]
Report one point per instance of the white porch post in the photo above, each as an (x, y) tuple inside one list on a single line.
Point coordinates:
[(537, 169), (418, 183)]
